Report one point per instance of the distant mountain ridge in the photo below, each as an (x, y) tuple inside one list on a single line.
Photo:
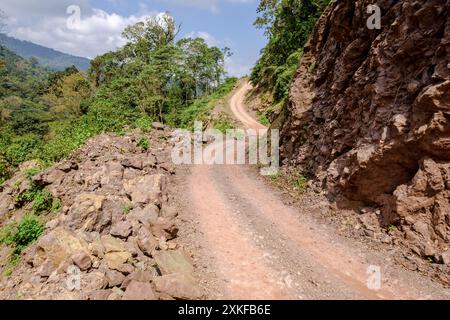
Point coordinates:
[(46, 56)]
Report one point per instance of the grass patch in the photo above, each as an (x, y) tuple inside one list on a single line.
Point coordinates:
[(144, 122), (22, 234), (127, 209), (18, 236), (56, 206), (392, 228), (41, 199), (144, 144), (201, 108), (30, 173), (262, 118), (294, 181)]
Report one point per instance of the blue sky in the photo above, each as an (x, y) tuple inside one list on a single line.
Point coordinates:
[(221, 22)]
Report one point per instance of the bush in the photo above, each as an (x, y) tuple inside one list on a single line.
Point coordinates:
[(42, 200), (23, 234), (201, 108), (262, 118), (5, 171), (144, 143), (23, 148), (144, 122)]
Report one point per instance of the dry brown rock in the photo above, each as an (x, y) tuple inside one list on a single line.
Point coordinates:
[(145, 215), (174, 261), (146, 189), (369, 111), (139, 291), (122, 229), (82, 260), (137, 275), (97, 249), (86, 213), (94, 234), (179, 286), (116, 260), (58, 246), (133, 162), (158, 126), (100, 295), (111, 244), (146, 242), (93, 281), (114, 278), (164, 228)]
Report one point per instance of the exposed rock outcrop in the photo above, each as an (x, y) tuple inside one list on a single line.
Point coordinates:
[(115, 232), (369, 113)]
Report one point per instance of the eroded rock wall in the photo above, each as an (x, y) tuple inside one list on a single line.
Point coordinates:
[(369, 112)]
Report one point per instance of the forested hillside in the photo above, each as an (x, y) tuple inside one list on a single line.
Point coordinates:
[(152, 78), (47, 57), (288, 25)]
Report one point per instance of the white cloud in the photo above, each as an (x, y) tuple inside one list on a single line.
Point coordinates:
[(45, 23), (26, 10), (211, 5), (96, 33)]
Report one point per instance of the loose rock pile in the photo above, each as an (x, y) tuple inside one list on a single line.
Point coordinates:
[(114, 236)]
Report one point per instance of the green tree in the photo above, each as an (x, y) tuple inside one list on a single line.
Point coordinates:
[(288, 25)]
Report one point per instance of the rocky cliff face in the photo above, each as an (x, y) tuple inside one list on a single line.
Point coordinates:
[(369, 113)]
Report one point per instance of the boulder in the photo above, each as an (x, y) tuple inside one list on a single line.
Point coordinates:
[(135, 162), (146, 242), (82, 260), (97, 249), (174, 261), (111, 244), (114, 278), (146, 189), (139, 291), (100, 295), (145, 215), (137, 275), (86, 213), (179, 286), (58, 246), (164, 228), (158, 126), (116, 260), (122, 229), (93, 281)]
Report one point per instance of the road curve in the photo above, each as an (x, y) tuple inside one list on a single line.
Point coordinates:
[(257, 247), (237, 106)]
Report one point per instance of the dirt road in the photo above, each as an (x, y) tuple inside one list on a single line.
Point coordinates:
[(250, 245)]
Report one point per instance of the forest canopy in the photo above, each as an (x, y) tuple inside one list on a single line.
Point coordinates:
[(153, 77), (287, 25)]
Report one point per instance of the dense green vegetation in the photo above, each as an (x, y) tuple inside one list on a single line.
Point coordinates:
[(201, 108), (20, 235), (288, 25), (154, 77)]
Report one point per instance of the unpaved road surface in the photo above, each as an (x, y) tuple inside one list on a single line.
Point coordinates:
[(249, 244)]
